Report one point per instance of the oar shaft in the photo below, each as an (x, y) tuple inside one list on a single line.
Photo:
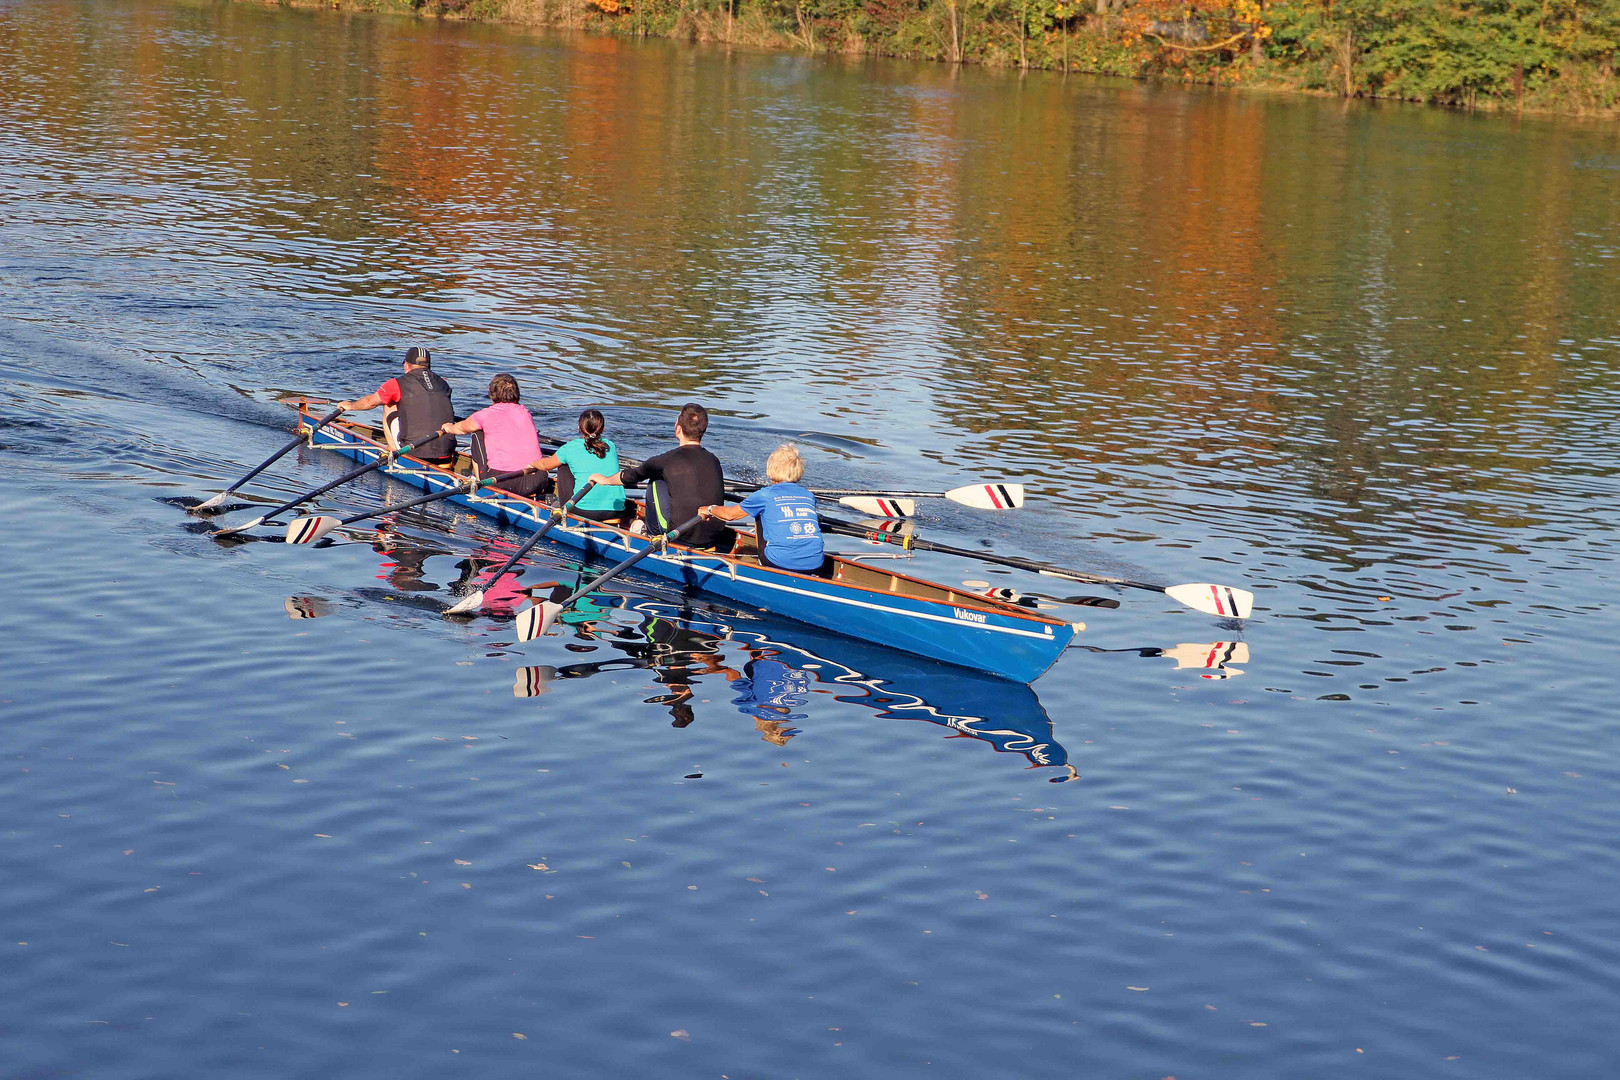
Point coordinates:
[(353, 474), (275, 457), (435, 496), (654, 544), (845, 528), (539, 534)]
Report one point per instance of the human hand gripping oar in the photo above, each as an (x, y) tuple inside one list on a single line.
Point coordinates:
[(537, 619), (1220, 600), (475, 599), (209, 504), (382, 459), (307, 530)]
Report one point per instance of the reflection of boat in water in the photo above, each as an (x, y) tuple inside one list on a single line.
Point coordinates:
[(786, 668)]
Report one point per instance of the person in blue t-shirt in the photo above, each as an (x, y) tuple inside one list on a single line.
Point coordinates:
[(784, 515)]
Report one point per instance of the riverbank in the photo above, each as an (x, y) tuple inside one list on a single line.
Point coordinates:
[(1537, 59)]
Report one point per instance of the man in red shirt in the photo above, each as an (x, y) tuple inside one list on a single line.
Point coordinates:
[(415, 405)]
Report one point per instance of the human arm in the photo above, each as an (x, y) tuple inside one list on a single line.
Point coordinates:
[(360, 404), (616, 480), (465, 427), (544, 464)]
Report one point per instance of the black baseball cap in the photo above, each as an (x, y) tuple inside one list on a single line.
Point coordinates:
[(418, 356)]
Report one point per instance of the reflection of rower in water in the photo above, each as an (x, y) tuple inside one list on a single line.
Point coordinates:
[(405, 572), (775, 685), (769, 690), (675, 654)]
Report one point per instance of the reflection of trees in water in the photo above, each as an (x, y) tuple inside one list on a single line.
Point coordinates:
[(1389, 307)]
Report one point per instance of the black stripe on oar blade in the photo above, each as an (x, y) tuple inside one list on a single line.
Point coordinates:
[(533, 681), (307, 530)]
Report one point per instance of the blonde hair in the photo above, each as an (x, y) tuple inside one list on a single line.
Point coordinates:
[(784, 466)]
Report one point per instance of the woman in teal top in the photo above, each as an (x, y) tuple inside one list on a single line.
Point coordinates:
[(581, 457)]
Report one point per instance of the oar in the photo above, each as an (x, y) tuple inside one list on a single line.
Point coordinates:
[(537, 619), (1040, 600), (267, 462), (895, 504), (475, 599), (981, 495), (382, 459), (1201, 596), (307, 530), (991, 495)]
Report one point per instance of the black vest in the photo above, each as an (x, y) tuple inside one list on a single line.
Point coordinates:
[(424, 407)]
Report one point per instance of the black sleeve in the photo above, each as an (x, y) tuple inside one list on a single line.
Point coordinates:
[(651, 469)]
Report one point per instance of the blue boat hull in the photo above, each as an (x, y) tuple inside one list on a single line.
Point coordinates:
[(1000, 639)]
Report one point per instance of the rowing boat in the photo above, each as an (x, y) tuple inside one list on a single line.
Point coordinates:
[(858, 600)]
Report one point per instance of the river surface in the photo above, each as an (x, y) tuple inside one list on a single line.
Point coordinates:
[(1362, 360)]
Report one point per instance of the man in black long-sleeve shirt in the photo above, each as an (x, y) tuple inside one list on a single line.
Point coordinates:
[(680, 481)]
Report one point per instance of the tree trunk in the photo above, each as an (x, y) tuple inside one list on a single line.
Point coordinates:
[(956, 39), (1518, 86), (1023, 34)]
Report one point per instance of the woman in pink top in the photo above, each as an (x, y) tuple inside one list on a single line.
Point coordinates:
[(509, 441)]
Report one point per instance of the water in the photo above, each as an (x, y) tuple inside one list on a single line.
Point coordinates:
[(1360, 360)]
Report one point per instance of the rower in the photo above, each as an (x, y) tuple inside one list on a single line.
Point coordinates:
[(585, 456), (506, 439), (415, 404), (784, 514), (680, 481)]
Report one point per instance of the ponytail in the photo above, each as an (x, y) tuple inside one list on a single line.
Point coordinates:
[(591, 425)]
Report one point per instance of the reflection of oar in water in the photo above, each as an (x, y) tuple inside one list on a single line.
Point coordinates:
[(981, 495), (536, 620), (1214, 656), (382, 459), (1038, 600), (475, 599), (307, 530), (1201, 596), (209, 504)]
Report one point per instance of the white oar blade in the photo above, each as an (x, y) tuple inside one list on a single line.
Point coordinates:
[(209, 504), (255, 523), (467, 604), (307, 530), (1222, 600), (536, 619), (878, 506), (988, 496)]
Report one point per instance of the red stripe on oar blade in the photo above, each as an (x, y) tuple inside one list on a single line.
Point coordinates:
[(1214, 592), (995, 499)]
